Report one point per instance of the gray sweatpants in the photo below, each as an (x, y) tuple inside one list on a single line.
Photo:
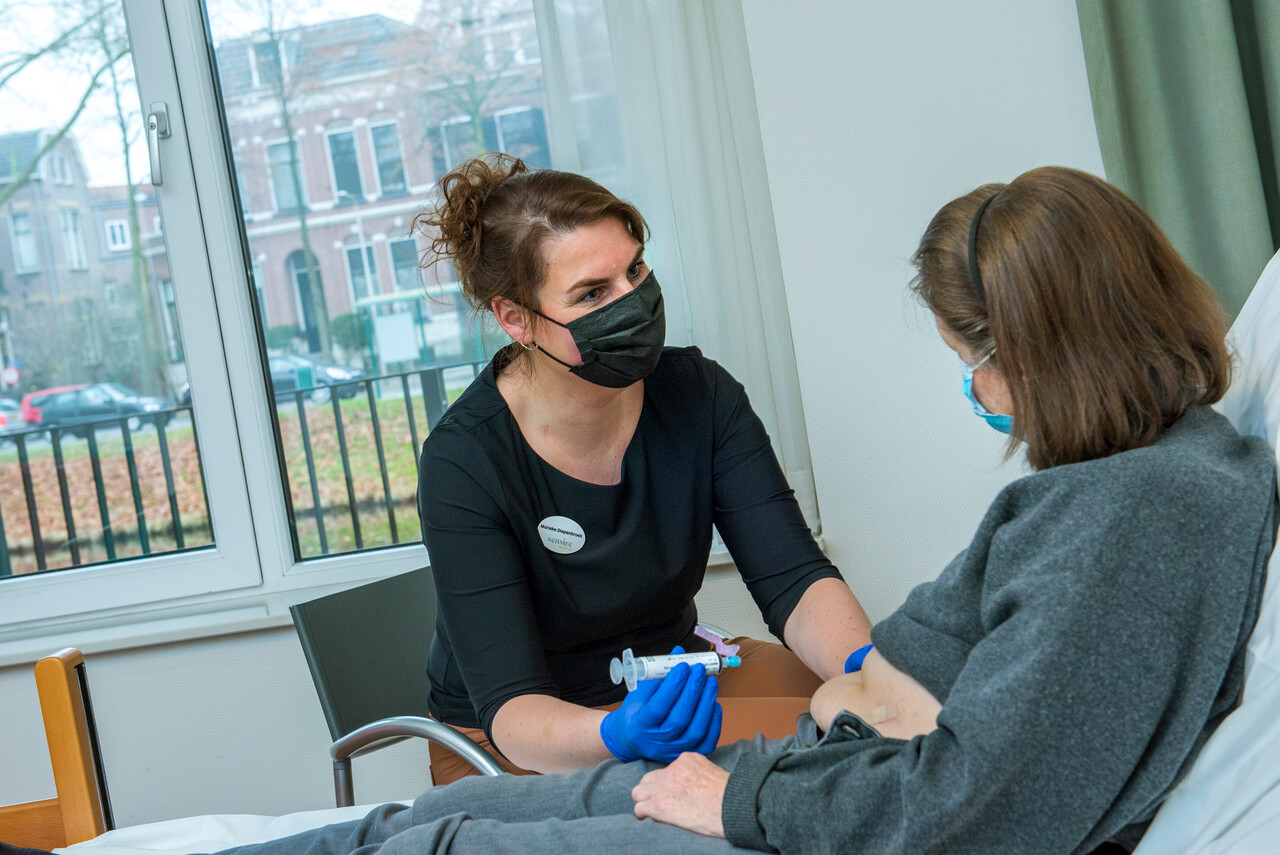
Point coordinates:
[(589, 811)]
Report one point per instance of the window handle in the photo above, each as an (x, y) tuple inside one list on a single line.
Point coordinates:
[(157, 129)]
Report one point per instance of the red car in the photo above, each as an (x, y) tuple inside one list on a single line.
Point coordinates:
[(32, 400)]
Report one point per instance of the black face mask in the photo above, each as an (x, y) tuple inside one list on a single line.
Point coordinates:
[(619, 342)]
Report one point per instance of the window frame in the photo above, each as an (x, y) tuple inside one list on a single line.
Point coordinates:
[(112, 244), (333, 166), (16, 241), (369, 268), (394, 124), (131, 598), (73, 238), (391, 254), (304, 202)]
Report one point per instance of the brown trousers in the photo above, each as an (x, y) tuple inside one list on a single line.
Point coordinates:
[(765, 694)]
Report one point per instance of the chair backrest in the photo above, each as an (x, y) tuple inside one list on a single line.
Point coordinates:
[(82, 809), (367, 649)]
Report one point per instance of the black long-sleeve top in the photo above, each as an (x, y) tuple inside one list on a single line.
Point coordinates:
[(516, 615)]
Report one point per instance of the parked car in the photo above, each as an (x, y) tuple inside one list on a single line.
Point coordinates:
[(100, 402), (11, 420), (285, 371), (284, 380), (32, 401)]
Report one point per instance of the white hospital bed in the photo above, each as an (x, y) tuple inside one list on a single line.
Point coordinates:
[(1228, 803)]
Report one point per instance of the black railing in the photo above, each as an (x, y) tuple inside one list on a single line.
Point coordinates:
[(136, 481), (100, 540), (384, 397)]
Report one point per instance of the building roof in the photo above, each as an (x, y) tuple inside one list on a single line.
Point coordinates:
[(328, 51), (16, 151)]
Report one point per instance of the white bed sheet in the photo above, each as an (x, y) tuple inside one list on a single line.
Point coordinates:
[(209, 833), (1229, 803)]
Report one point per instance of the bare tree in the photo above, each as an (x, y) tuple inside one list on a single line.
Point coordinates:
[(463, 55), (107, 35), (16, 62), (287, 83)]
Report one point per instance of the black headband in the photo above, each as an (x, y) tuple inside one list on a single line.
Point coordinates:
[(973, 248)]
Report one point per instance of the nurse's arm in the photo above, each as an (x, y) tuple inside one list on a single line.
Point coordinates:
[(826, 626), (545, 734)]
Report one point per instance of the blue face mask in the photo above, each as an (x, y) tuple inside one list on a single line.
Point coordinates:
[(1002, 423)]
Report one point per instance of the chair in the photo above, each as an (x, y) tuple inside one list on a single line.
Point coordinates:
[(367, 650), (82, 809)]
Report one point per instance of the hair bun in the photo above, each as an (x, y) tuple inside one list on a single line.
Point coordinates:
[(457, 216)]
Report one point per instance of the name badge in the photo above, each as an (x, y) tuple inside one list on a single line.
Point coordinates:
[(561, 534)]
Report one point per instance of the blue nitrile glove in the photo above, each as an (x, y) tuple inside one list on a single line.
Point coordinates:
[(854, 662), (664, 718)]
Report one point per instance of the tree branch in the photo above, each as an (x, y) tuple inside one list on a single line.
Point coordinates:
[(21, 179)]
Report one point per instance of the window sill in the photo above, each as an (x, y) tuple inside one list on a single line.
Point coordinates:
[(232, 613)]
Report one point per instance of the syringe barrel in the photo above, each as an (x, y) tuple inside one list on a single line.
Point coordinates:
[(633, 668), (657, 667)]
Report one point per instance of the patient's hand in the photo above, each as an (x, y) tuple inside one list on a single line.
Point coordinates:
[(688, 794), (884, 697)]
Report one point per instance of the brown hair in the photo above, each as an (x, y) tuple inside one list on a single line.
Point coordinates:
[(1103, 334), (495, 213)]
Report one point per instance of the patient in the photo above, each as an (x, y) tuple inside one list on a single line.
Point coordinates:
[(1047, 691)]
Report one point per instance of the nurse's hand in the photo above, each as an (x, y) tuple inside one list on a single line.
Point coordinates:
[(664, 718)]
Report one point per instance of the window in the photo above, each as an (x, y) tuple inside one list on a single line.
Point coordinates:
[(522, 131), (117, 235), (283, 163), (345, 168), (59, 169), (386, 153), (404, 261), (73, 240), (264, 58), (25, 259), (362, 273), (457, 141), (64, 338)]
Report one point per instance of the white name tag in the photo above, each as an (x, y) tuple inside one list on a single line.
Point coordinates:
[(561, 534)]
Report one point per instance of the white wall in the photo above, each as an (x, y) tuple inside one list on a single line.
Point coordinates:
[(231, 725), (873, 116)]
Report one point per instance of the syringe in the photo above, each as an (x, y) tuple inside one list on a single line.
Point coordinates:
[(634, 668)]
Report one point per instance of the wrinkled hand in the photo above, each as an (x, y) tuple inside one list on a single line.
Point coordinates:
[(688, 794), (664, 718)]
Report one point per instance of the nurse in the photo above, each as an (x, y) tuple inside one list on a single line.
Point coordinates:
[(567, 500)]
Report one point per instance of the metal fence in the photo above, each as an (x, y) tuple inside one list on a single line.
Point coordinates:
[(167, 511), (75, 544), (382, 389)]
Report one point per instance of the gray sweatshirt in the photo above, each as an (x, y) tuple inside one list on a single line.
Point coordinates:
[(1084, 647)]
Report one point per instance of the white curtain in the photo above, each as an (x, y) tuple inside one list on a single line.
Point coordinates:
[(654, 99)]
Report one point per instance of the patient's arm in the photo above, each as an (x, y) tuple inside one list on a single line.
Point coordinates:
[(882, 696)]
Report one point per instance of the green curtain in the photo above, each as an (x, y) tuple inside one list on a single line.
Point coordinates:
[(1186, 95)]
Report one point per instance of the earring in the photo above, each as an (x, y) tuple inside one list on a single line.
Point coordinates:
[(534, 346)]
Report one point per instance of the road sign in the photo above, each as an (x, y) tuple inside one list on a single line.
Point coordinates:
[(9, 376)]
